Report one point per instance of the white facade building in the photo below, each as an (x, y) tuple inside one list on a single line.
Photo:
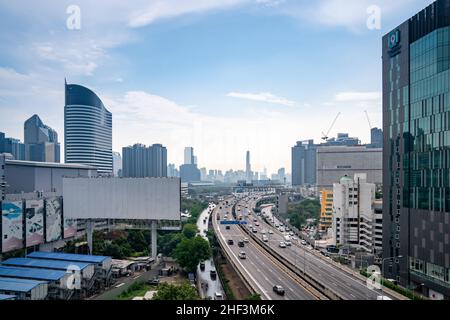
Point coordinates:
[(356, 223)]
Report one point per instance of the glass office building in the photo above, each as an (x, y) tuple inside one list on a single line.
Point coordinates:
[(87, 130), (416, 161)]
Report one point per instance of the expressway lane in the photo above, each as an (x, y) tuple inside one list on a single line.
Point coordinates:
[(344, 285), (259, 267)]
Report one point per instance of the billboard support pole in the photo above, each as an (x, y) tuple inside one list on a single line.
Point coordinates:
[(89, 234), (154, 236)]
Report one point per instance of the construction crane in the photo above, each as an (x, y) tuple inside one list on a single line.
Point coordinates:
[(326, 135), (368, 120)]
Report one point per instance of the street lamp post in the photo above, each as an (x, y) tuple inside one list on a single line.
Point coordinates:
[(382, 271)]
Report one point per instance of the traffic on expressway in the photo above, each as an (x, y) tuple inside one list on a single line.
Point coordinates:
[(262, 272), (310, 275)]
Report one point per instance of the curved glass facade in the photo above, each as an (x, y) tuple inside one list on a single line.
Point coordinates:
[(87, 129)]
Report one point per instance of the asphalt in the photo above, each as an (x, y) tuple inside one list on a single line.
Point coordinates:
[(259, 268), (318, 266)]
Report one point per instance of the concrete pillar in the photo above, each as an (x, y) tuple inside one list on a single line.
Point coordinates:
[(90, 233), (154, 236)]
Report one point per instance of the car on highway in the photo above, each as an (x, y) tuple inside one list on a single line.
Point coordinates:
[(241, 244), (202, 266), (288, 243), (270, 232), (213, 274), (230, 242), (263, 231), (282, 245), (242, 255), (218, 296), (255, 230), (278, 290), (250, 226), (255, 220), (303, 242), (257, 224), (265, 238), (227, 228), (246, 240)]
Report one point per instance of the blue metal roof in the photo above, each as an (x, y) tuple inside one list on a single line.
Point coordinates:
[(67, 257), (7, 297), (31, 273), (18, 285), (46, 264)]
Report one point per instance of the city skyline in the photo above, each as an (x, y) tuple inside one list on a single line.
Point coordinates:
[(261, 89)]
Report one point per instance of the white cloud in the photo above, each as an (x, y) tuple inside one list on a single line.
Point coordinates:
[(263, 97), (269, 3), (354, 96), (163, 9), (349, 14)]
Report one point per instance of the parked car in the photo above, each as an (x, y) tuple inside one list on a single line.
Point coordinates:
[(278, 290), (218, 296), (154, 281), (202, 266)]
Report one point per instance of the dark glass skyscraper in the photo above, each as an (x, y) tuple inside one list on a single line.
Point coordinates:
[(41, 141), (12, 146), (304, 163), (416, 161), (87, 129)]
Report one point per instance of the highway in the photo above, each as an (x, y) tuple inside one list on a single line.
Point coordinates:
[(347, 287), (260, 269), (203, 276)]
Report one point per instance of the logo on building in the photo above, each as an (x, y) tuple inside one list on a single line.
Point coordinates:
[(394, 43)]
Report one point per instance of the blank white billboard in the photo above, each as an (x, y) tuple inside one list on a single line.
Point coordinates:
[(122, 198)]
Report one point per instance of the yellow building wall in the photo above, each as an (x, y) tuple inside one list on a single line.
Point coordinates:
[(326, 209)]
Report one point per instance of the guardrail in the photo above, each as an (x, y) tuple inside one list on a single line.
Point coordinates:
[(223, 247), (313, 282)]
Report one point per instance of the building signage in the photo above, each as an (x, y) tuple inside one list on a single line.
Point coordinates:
[(394, 43)]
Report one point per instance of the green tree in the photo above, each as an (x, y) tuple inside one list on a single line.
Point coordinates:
[(137, 240), (298, 213), (113, 250), (190, 230), (168, 242), (176, 292), (190, 252)]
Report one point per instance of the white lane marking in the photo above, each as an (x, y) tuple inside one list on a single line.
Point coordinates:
[(264, 292), (119, 285), (330, 269)]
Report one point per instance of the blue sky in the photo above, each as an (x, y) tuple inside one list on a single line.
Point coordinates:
[(222, 76)]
